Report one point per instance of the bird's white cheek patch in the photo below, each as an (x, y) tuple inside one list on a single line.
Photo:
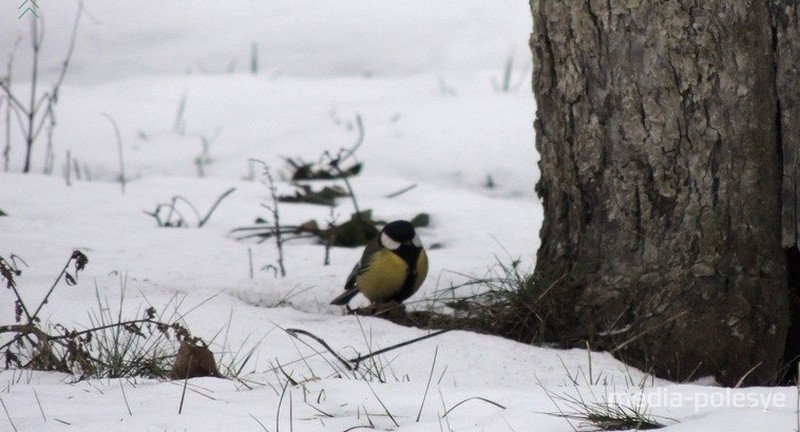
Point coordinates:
[(417, 242), (388, 243)]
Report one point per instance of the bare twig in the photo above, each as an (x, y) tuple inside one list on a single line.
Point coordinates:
[(352, 364), (428, 384), (214, 206), (344, 154), (401, 191), (39, 111), (119, 150), (185, 383), (6, 88), (278, 410), (30, 112), (276, 215), (8, 415), (125, 398), (250, 260), (746, 374), (385, 409), (359, 359), (483, 399), (181, 221), (80, 261), (330, 236), (295, 332), (259, 422)]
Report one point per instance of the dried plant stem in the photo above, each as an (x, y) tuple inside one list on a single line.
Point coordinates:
[(330, 236), (214, 206), (385, 409), (250, 260), (13, 426), (278, 410), (483, 399), (125, 398), (359, 359), (401, 191), (352, 364), (276, 216), (173, 210), (63, 272), (39, 403), (295, 332), (7, 149), (33, 116), (269, 182), (428, 384), (185, 384), (30, 113), (119, 150), (344, 154)]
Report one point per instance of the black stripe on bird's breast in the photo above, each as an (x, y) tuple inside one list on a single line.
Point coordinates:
[(409, 254)]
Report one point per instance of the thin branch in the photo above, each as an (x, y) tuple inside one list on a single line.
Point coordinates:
[(276, 216), (214, 206), (358, 360), (295, 332), (29, 112), (175, 200), (385, 409), (278, 410), (401, 191), (53, 95), (185, 384), (347, 153), (38, 402), (53, 287), (7, 89), (124, 398), (119, 150), (428, 384), (13, 426), (473, 398), (351, 151)]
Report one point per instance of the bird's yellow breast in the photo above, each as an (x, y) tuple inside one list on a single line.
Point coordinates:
[(385, 275)]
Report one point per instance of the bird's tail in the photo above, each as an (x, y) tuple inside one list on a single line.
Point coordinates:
[(345, 297)]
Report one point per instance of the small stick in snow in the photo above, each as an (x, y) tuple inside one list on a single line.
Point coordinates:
[(401, 191)]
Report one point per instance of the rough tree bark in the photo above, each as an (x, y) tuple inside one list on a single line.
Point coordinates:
[(667, 133)]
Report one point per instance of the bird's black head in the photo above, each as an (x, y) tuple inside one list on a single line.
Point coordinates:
[(398, 233)]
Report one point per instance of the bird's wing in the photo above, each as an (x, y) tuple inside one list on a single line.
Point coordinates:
[(361, 266), (351, 280), (350, 288)]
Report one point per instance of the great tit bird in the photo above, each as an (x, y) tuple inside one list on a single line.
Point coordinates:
[(391, 269)]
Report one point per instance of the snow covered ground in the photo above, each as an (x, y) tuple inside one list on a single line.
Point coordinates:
[(423, 77)]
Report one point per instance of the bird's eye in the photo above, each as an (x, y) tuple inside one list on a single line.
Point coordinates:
[(417, 242), (388, 242)]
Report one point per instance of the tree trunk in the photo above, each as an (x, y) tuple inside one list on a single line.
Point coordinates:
[(786, 43), (660, 132)]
